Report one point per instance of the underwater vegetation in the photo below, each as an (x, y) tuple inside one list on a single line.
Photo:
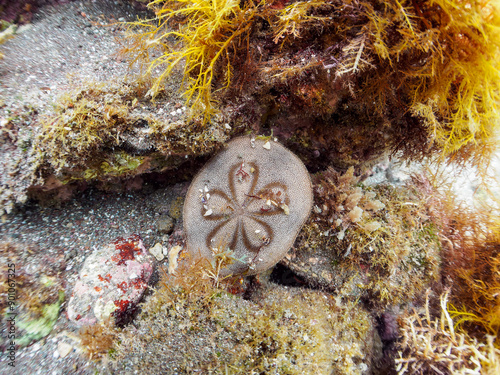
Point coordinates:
[(33, 296), (379, 242), (98, 340), (470, 237), (6, 32), (433, 346), (208, 30), (191, 324), (346, 79), (428, 71)]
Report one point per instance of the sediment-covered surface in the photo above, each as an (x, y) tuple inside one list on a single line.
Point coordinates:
[(88, 159)]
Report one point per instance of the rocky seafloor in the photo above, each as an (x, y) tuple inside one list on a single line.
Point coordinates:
[(50, 229)]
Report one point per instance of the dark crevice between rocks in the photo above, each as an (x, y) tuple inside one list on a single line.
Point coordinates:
[(125, 314), (54, 193), (284, 276), (184, 172), (388, 331), (281, 275), (252, 288)]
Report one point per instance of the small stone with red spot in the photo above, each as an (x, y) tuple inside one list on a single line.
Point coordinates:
[(119, 272)]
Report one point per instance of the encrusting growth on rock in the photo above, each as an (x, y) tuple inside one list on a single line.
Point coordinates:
[(111, 282), (376, 242), (192, 325)]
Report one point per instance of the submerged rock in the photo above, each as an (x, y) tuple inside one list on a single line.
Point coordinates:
[(31, 293), (111, 282), (377, 243), (194, 327)]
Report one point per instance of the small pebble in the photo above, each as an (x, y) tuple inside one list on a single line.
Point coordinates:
[(157, 252), (64, 348), (165, 224)]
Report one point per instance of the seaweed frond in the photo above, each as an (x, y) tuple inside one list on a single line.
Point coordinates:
[(470, 237), (432, 346), (444, 58), (207, 35)]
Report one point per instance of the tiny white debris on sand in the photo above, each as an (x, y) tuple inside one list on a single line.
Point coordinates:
[(64, 349)]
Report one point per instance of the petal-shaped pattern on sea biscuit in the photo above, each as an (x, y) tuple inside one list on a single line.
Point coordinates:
[(271, 198), (219, 205), (253, 202), (255, 233), (225, 234), (242, 179)]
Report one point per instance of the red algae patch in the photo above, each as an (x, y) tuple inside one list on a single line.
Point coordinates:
[(111, 282)]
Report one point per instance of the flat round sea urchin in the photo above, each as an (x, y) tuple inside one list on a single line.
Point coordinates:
[(251, 200)]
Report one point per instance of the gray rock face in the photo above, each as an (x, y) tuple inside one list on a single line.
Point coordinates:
[(111, 282), (252, 198)]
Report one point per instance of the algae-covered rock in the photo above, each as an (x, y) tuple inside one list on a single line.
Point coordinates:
[(372, 242), (188, 325), (32, 294), (69, 124), (34, 329)]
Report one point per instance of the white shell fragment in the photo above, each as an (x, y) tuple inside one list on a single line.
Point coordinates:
[(173, 254), (267, 145), (285, 209)]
